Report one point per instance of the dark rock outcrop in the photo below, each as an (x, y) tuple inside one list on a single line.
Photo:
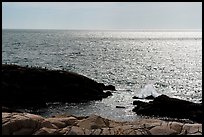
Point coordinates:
[(170, 107), (108, 87), (139, 103), (108, 93), (119, 107), (24, 86), (135, 97), (148, 97)]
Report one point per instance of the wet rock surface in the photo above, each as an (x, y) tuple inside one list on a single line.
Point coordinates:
[(30, 124)]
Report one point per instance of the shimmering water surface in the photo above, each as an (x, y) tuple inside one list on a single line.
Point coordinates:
[(133, 61)]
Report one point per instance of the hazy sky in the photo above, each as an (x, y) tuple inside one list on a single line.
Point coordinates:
[(102, 15)]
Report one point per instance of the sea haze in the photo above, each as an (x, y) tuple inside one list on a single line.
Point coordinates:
[(166, 62)]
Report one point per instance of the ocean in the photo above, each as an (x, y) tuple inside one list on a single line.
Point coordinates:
[(135, 62)]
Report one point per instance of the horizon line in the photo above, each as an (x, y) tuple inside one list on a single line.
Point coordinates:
[(104, 29)]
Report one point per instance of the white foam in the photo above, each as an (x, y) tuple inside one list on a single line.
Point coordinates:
[(148, 90)]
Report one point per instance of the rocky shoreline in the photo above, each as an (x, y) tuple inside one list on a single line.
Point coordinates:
[(28, 86), (29, 124)]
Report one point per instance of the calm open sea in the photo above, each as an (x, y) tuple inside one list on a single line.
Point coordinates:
[(166, 62)]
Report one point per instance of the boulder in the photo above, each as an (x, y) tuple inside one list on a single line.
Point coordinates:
[(176, 126), (191, 128), (75, 131), (19, 123), (93, 122), (62, 122), (170, 107), (162, 130), (56, 122), (46, 131), (96, 131), (48, 124)]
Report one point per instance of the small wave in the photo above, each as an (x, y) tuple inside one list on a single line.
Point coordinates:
[(148, 90)]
